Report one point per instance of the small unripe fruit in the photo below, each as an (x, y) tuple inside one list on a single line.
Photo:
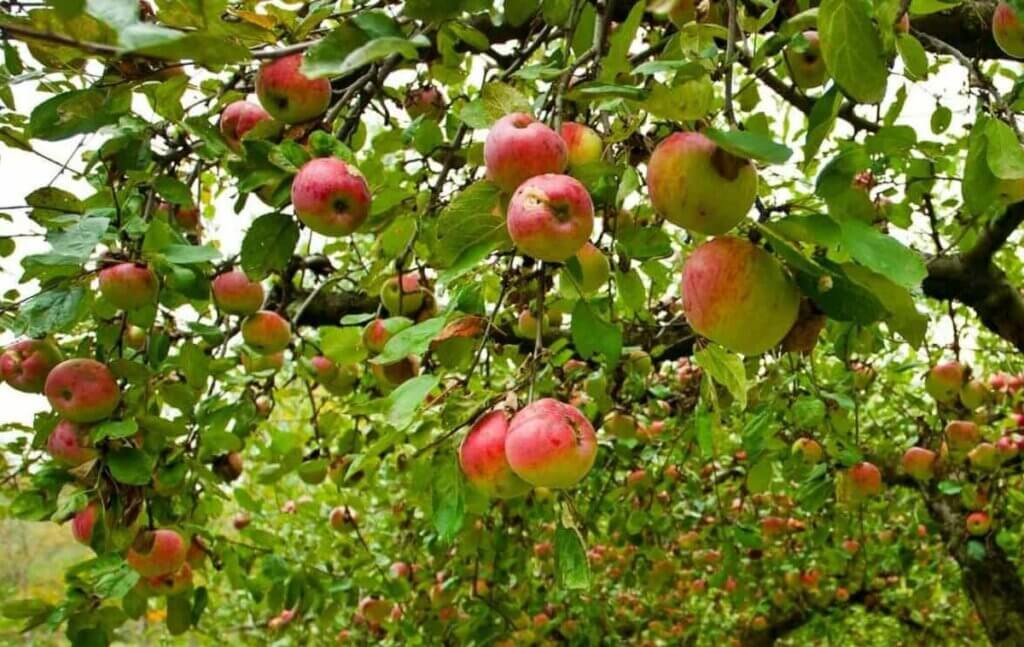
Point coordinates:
[(807, 67), (984, 457), (978, 523), (425, 102), (342, 517), (919, 463), (403, 296), (943, 382), (808, 450)]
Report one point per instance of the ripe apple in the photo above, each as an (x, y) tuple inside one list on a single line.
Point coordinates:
[(129, 285), (69, 444), (25, 364), (426, 101), (336, 380), (229, 466), (696, 184), (773, 526), (84, 523), (330, 197), (186, 217), (550, 217), (483, 461), (728, 283), (235, 294), (376, 335), (978, 523), (239, 118), (82, 390), (919, 463), (157, 552), (962, 436), (519, 147), (619, 424), (266, 332), (1007, 447), (1007, 30), (343, 516), (595, 270), (582, 143), (288, 94), (403, 296), (863, 480), (806, 66), (944, 380), (551, 444)]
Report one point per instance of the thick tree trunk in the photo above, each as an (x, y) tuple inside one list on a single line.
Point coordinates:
[(992, 583)]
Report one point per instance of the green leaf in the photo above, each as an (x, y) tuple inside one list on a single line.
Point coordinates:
[(821, 121), (591, 334), (113, 429), (77, 112), (914, 58), (571, 559), (725, 368), (327, 63), (25, 608), (269, 244), (750, 145), (179, 613), (202, 47), (55, 310), (616, 61), (686, 101), (342, 345), (980, 186), (434, 10), (1004, 153), (942, 117), (130, 465), (471, 219), (411, 341), (173, 190), (881, 253), (402, 403), (189, 254), (448, 499), (852, 49), (759, 478), (501, 99), (904, 318)]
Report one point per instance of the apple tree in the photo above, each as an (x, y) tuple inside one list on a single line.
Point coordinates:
[(526, 322)]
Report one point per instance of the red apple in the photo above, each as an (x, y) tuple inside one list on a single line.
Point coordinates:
[(157, 552), (483, 461), (978, 523), (551, 444), (288, 94), (550, 217), (343, 516), (943, 382), (582, 143), (84, 523), (806, 66), (962, 435), (696, 184), (863, 480), (1007, 30), (330, 197), (266, 332), (235, 294), (82, 390), (25, 364), (129, 285), (376, 334), (729, 283), (403, 296), (426, 101), (519, 147), (919, 463), (69, 444), (239, 118)]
